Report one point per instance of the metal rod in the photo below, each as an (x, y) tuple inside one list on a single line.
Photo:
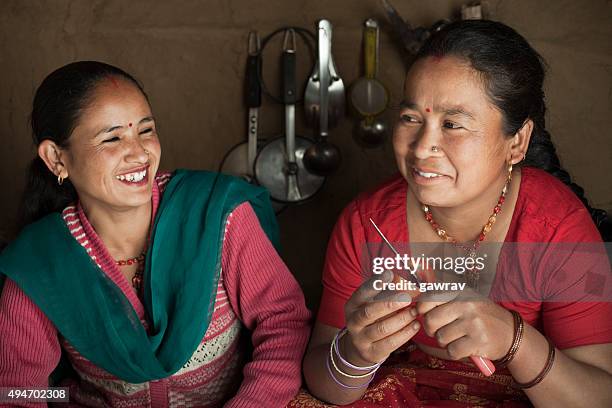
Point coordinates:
[(414, 276)]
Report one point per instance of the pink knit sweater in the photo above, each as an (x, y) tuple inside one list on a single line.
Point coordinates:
[(255, 291)]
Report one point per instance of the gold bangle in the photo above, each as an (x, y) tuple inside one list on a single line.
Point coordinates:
[(545, 370), (519, 328)]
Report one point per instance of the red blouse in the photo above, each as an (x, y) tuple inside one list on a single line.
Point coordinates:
[(546, 211)]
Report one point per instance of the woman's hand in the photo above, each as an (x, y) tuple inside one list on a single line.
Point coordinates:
[(467, 324), (377, 326)]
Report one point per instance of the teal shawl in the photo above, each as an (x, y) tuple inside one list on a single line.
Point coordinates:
[(180, 279)]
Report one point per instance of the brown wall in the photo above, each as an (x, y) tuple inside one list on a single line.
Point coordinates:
[(190, 56)]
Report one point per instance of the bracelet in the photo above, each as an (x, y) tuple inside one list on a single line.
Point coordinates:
[(545, 370), (345, 362), (358, 376), (519, 328), (351, 387)]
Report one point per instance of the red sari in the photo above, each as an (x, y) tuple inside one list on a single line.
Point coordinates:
[(546, 211), (412, 378)]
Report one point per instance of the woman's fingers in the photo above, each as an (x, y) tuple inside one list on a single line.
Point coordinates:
[(441, 316), (389, 325), (366, 292), (429, 301), (372, 311), (381, 349), (460, 348), (450, 332)]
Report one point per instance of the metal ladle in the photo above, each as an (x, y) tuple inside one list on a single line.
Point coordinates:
[(323, 158), (368, 95), (371, 131)]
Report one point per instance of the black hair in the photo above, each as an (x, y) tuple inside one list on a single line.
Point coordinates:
[(58, 104), (513, 74)]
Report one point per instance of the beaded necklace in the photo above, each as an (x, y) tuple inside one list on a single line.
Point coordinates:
[(137, 278), (472, 274)]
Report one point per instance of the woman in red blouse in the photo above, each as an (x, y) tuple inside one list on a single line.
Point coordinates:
[(476, 166)]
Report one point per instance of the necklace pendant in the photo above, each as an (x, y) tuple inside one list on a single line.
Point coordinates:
[(137, 282)]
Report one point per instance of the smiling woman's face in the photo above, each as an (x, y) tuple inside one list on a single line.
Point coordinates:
[(445, 105), (113, 145)]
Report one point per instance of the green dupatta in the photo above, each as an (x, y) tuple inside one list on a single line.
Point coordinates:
[(180, 278)]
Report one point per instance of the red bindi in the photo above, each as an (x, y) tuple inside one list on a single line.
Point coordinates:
[(130, 124), (427, 110)]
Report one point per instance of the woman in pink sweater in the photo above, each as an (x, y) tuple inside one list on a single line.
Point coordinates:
[(153, 289)]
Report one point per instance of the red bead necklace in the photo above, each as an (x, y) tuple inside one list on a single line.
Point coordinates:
[(140, 260), (472, 275)]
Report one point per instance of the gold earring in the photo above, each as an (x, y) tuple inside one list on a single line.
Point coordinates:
[(60, 179), (509, 175)]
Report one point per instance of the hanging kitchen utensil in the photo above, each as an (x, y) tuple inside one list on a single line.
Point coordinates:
[(279, 165), (307, 37), (411, 38), (289, 92), (368, 95), (240, 159), (311, 97), (312, 94), (323, 158), (337, 97)]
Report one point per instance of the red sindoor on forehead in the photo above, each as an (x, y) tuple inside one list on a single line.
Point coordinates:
[(130, 124), (427, 110), (114, 81)]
